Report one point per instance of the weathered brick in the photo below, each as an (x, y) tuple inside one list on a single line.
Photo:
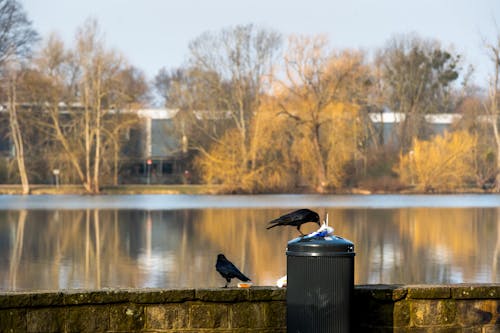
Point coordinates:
[(208, 315), (166, 316), (491, 329), (152, 296), (13, 320), (433, 312), (83, 297), (87, 318), (47, 299), (401, 314), (222, 295), (15, 300), (408, 330), (267, 294), (472, 330), (123, 317), (370, 329), (476, 291), (275, 312), (429, 292), (475, 313), (247, 315), (381, 292), (380, 308), (46, 320)]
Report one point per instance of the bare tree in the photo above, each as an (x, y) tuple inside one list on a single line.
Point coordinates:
[(220, 90), (105, 82), (11, 83), (84, 98), (492, 106), (53, 90), (418, 77), (16, 40), (16, 33)]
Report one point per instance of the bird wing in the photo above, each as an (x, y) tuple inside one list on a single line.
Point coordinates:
[(287, 218), (227, 269)]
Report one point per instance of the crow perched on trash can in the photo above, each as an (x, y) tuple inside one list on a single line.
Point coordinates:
[(296, 219), (228, 270)]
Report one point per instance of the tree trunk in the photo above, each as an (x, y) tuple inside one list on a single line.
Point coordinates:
[(17, 137), (116, 151), (73, 159), (493, 106), (98, 129), (321, 181), (497, 141)]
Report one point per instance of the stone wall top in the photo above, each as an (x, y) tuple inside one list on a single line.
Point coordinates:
[(139, 296), (255, 294)]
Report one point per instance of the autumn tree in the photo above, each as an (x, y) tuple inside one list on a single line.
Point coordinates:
[(492, 107), (418, 77), (321, 95), (16, 40), (473, 121), (444, 163), (270, 148)]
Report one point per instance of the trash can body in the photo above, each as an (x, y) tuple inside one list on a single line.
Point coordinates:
[(320, 283)]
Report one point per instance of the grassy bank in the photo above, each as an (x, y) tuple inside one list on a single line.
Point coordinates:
[(122, 189)]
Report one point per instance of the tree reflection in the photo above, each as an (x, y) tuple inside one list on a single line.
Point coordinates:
[(494, 270), (171, 249), (17, 249)]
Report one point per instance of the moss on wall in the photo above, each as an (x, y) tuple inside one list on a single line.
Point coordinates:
[(380, 308)]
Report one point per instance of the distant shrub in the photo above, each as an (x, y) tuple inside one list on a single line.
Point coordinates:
[(441, 164)]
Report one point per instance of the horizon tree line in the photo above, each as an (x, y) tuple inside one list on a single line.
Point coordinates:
[(259, 111)]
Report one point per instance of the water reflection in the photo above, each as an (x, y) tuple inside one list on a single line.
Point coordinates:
[(92, 248)]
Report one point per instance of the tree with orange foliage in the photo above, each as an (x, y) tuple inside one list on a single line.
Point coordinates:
[(269, 155), (442, 164), (321, 95)]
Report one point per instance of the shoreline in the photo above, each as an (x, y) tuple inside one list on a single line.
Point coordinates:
[(42, 189)]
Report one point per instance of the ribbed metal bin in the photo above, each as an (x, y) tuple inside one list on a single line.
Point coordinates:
[(320, 274)]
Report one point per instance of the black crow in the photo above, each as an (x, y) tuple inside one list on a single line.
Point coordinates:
[(296, 219), (228, 270)]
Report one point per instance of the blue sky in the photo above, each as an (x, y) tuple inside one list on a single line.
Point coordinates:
[(155, 33)]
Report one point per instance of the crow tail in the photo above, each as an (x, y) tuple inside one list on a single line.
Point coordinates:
[(242, 277)]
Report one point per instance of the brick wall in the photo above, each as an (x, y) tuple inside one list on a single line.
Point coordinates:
[(464, 308), (145, 310), (377, 308)]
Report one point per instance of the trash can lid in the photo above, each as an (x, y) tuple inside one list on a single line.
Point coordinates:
[(320, 246)]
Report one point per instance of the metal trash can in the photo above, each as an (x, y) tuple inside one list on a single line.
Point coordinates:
[(320, 283)]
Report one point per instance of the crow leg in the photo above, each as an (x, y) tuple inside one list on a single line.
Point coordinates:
[(298, 228)]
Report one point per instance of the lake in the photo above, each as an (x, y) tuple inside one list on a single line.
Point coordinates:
[(171, 241)]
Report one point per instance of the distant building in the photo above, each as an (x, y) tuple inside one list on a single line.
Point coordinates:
[(386, 123), (157, 153), (163, 154)]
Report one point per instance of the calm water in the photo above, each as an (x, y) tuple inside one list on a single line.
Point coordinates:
[(171, 241)]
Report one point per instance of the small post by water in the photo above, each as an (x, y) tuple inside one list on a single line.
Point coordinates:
[(56, 177)]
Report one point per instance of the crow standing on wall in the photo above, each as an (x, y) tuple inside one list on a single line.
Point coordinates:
[(228, 270), (295, 219)]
